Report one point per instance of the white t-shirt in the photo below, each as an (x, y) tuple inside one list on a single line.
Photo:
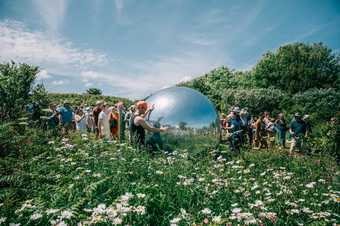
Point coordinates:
[(105, 123)]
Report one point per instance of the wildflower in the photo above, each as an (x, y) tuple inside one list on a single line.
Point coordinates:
[(175, 221), (51, 211), (217, 219), (236, 210), (3, 220), (36, 216), (66, 214), (306, 210), (117, 220), (100, 209), (206, 211), (14, 224), (140, 210), (125, 198), (205, 221), (140, 195), (310, 185)]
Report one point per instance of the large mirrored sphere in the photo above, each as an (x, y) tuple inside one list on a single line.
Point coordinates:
[(192, 120)]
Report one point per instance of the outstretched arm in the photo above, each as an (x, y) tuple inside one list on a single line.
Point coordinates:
[(140, 121)]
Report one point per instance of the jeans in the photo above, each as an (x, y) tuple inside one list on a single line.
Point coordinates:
[(281, 135)]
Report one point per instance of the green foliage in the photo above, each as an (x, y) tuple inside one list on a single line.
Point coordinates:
[(77, 181), (94, 91), (320, 103), (257, 100), (39, 95), (15, 86), (78, 99), (298, 67)]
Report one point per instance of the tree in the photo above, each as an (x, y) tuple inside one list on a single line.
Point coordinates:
[(298, 67), (94, 91), (16, 81), (256, 100)]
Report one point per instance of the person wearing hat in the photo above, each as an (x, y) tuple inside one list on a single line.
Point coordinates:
[(66, 116), (297, 129), (139, 125), (95, 113)]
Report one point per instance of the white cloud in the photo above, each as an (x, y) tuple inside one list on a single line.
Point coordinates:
[(18, 44), (59, 82), (52, 13), (43, 74), (68, 68)]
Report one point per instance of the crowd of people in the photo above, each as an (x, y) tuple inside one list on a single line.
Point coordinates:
[(239, 127), (117, 122), (107, 122)]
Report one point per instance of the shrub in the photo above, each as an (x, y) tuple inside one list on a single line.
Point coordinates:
[(256, 100)]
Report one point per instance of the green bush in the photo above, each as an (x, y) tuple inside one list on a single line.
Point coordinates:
[(257, 100), (16, 82), (322, 104)]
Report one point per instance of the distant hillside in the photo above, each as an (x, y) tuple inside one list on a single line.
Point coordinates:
[(77, 99)]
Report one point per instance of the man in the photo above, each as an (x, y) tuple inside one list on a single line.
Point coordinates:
[(52, 121), (139, 125), (121, 123), (234, 128), (95, 113), (308, 125), (297, 130), (66, 116), (245, 125)]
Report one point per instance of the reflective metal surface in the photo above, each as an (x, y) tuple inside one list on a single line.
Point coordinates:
[(192, 119)]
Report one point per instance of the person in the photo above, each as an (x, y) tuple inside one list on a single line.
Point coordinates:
[(281, 128), (52, 119), (139, 125), (223, 125), (104, 123), (121, 121), (245, 125), (308, 125), (270, 128), (260, 133), (89, 120), (234, 129), (95, 113), (66, 117), (80, 120), (297, 129), (129, 120), (113, 117)]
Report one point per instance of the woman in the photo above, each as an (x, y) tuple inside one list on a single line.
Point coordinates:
[(80, 121), (281, 128), (114, 117), (260, 133), (139, 125), (103, 123)]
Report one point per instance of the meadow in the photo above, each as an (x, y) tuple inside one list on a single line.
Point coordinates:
[(82, 181)]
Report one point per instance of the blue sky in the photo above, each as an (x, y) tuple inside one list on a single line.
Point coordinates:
[(134, 47)]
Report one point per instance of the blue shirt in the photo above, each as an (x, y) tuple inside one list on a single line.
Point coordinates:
[(236, 123), (66, 114)]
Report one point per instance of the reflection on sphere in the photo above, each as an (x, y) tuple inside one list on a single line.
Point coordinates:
[(190, 116)]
